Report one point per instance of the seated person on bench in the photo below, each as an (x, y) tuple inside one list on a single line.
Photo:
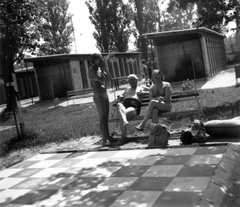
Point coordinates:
[(160, 95), (131, 104)]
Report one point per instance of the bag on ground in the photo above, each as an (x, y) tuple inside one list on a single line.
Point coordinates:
[(196, 133), (159, 135)]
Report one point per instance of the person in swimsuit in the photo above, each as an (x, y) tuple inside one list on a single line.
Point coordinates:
[(160, 94), (130, 105), (99, 77)]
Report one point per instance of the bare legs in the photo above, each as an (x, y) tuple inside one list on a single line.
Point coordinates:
[(125, 115), (152, 111), (102, 104)]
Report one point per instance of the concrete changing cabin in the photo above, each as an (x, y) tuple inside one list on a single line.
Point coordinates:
[(181, 53), (57, 74)]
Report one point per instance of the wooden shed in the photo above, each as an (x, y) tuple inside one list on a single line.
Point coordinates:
[(187, 54), (57, 74)]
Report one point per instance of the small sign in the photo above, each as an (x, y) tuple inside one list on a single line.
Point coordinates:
[(74, 70)]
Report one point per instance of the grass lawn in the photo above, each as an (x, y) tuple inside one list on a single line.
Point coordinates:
[(77, 127)]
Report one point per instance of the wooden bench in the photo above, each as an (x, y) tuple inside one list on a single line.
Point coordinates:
[(177, 97), (71, 95)]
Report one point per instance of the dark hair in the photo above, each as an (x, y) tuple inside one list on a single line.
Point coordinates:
[(95, 56), (143, 61)]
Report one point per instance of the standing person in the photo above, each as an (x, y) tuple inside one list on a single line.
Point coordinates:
[(99, 77), (145, 73), (130, 105), (160, 94)]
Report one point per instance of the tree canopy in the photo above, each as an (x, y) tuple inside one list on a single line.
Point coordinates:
[(213, 14), (112, 20), (56, 27)]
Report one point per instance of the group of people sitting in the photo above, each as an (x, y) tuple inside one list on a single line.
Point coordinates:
[(129, 103)]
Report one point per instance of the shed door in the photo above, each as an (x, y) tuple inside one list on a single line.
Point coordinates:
[(83, 74)]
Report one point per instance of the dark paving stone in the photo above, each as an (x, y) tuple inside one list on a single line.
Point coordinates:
[(96, 199), (211, 150), (33, 197), (130, 171), (173, 160), (84, 183), (178, 199), (24, 164), (150, 184), (26, 172), (197, 171)]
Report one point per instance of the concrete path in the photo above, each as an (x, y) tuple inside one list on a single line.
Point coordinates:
[(145, 177)]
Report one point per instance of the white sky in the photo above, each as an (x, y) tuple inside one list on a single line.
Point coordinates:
[(83, 28)]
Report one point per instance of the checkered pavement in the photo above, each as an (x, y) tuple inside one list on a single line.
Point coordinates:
[(141, 178)]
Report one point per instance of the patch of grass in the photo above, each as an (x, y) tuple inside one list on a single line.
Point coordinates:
[(45, 127)]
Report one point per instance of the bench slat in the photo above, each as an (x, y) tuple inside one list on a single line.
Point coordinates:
[(167, 114)]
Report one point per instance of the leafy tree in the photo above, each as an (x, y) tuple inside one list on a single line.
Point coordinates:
[(112, 21), (146, 19), (17, 35), (179, 18), (56, 28), (213, 14)]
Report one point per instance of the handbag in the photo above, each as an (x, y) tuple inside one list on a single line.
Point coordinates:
[(196, 133), (159, 135)]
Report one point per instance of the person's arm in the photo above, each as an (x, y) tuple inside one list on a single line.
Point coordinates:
[(93, 76), (168, 93), (105, 71)]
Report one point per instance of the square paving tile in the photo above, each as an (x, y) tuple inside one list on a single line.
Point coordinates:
[(101, 172), (189, 184), (39, 157), (27, 172), (130, 171), (144, 161), (9, 195), (84, 183), (205, 159), (33, 197), (30, 183), (178, 199), (211, 150), (75, 172), (59, 156), (94, 199), (24, 164), (173, 160), (116, 183), (8, 172), (90, 162), (127, 154), (197, 171), (181, 151), (116, 162), (162, 171), (65, 163), (81, 155), (9, 182), (136, 199), (103, 154), (150, 184), (50, 172), (63, 198), (44, 164), (153, 152)]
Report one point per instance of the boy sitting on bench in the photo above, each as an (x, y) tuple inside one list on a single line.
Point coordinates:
[(130, 105)]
